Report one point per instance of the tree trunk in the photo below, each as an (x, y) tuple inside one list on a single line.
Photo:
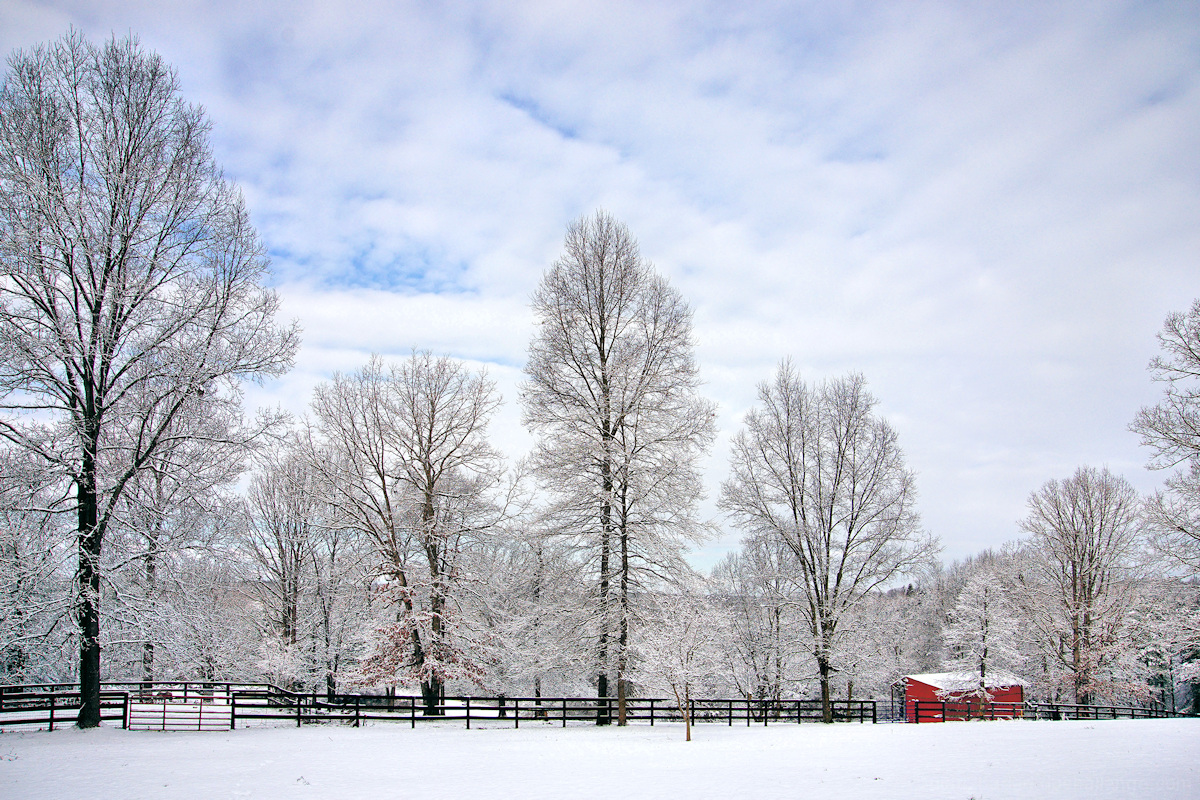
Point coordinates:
[(623, 633), (823, 668), (602, 717), (151, 567), (431, 695), (87, 579)]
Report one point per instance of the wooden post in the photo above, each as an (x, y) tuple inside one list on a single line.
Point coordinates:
[(731, 713), (232, 711), (564, 712), (651, 712), (296, 700), (52, 711), (468, 713), (412, 711), (357, 701)]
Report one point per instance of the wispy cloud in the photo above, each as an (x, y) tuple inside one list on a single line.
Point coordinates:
[(986, 208)]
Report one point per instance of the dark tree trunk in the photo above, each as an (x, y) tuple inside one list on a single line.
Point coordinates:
[(87, 586), (823, 668), (431, 696), (602, 717)]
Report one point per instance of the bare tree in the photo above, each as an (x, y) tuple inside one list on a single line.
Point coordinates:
[(814, 468), (754, 587), (680, 649), (611, 393), (1086, 535), (34, 577), (169, 505), (1171, 429), (407, 464), (282, 531), (129, 280), (982, 635)]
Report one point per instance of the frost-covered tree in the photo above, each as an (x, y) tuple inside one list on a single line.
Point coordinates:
[(282, 525), (815, 469), (611, 393), (538, 603), (1087, 534), (130, 282), (681, 649), (982, 636), (754, 587), (168, 507), (1171, 429), (406, 462), (35, 577)]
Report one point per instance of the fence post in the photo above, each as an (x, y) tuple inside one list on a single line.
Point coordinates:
[(412, 711), (651, 712), (564, 712), (748, 711), (357, 702), (468, 712), (731, 713), (296, 699), (917, 711), (766, 711), (52, 711), (125, 712), (232, 711)]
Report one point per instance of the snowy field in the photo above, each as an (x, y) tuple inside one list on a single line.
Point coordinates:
[(1106, 759)]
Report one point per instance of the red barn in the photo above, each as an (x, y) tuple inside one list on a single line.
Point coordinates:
[(941, 696)]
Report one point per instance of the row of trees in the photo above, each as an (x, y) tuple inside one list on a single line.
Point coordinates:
[(382, 542)]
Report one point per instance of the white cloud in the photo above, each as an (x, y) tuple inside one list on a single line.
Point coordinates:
[(988, 210)]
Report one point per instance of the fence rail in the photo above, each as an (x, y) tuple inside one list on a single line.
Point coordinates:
[(961, 710), (281, 705), (58, 708), (222, 706)]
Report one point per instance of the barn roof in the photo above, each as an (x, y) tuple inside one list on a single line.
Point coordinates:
[(965, 681)]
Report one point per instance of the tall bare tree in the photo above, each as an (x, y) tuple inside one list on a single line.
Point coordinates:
[(129, 280), (408, 465), (611, 392), (815, 469), (282, 532), (1087, 532)]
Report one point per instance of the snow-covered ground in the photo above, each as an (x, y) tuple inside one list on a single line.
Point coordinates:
[(1106, 759)]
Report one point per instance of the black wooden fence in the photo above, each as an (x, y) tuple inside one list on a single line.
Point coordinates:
[(61, 707), (959, 710), (271, 703), (48, 705)]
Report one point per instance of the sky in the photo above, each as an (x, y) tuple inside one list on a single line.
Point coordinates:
[(987, 209)]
